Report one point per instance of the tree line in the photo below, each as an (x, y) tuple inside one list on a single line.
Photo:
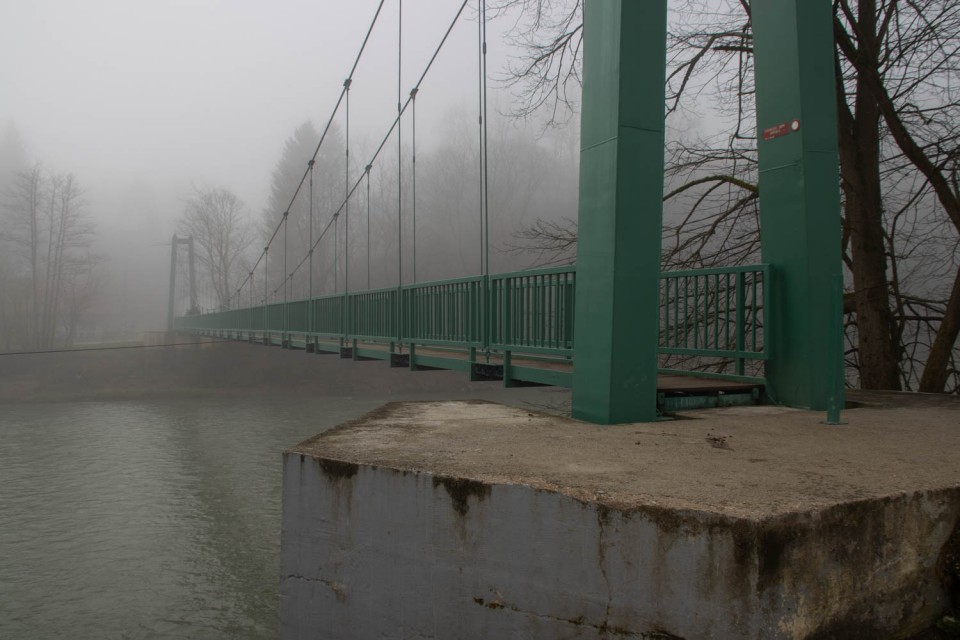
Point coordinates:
[(49, 276), (360, 248)]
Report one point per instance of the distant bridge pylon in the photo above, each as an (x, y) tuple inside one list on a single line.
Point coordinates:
[(194, 306)]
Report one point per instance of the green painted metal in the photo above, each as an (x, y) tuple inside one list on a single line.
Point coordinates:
[(448, 312), (373, 315), (538, 375), (711, 375), (784, 313), (799, 199), (723, 313), (438, 362), (531, 315), (326, 347), (533, 311), (620, 219), (670, 404), (367, 353)]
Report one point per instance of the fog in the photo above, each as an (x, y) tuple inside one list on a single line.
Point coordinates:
[(143, 102)]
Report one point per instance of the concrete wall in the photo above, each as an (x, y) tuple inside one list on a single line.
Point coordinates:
[(371, 552)]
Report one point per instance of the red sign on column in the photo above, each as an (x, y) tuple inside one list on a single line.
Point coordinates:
[(781, 129)]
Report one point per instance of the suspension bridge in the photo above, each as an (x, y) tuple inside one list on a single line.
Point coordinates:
[(630, 341)]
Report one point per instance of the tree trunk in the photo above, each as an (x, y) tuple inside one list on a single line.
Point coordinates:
[(33, 212), (936, 371), (860, 172)]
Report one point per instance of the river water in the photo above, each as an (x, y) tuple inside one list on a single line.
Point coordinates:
[(148, 519)]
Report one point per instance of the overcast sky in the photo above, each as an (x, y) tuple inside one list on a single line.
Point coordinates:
[(206, 91), (141, 100)]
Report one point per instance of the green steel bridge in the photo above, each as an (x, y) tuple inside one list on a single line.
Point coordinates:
[(519, 327), (630, 341)]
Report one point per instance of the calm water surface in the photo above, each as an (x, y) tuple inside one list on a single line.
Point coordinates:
[(155, 519), (147, 519)]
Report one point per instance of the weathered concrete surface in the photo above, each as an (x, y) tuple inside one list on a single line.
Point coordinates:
[(467, 520)]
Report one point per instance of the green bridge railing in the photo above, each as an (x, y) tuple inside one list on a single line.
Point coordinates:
[(718, 314), (709, 319)]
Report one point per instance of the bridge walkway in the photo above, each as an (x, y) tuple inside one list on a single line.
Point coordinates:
[(676, 392)]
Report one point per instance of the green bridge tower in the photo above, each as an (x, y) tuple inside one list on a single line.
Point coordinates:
[(621, 190)]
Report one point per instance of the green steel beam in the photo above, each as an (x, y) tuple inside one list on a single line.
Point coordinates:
[(670, 404), (367, 353), (799, 199), (550, 377), (437, 362), (621, 211)]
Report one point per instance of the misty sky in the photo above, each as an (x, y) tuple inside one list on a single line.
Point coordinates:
[(206, 90), (141, 99)]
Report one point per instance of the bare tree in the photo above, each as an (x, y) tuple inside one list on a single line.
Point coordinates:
[(898, 113), (50, 238), (220, 226), (23, 208), (903, 58), (69, 235), (545, 76), (328, 194)]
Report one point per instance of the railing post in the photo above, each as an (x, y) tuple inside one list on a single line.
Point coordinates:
[(345, 317), (740, 323), (506, 302), (571, 286), (487, 311), (399, 315), (266, 288)]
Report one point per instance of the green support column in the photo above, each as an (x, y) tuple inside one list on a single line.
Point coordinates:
[(621, 211), (799, 199)]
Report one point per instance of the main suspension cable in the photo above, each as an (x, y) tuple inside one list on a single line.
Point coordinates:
[(394, 125), (346, 191), (399, 155), (480, 128), (367, 172), (326, 130), (310, 252), (486, 154), (413, 97)]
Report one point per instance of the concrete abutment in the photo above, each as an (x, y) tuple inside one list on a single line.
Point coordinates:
[(471, 520)]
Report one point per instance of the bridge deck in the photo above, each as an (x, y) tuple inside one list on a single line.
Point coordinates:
[(696, 385), (675, 392), (669, 384)]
